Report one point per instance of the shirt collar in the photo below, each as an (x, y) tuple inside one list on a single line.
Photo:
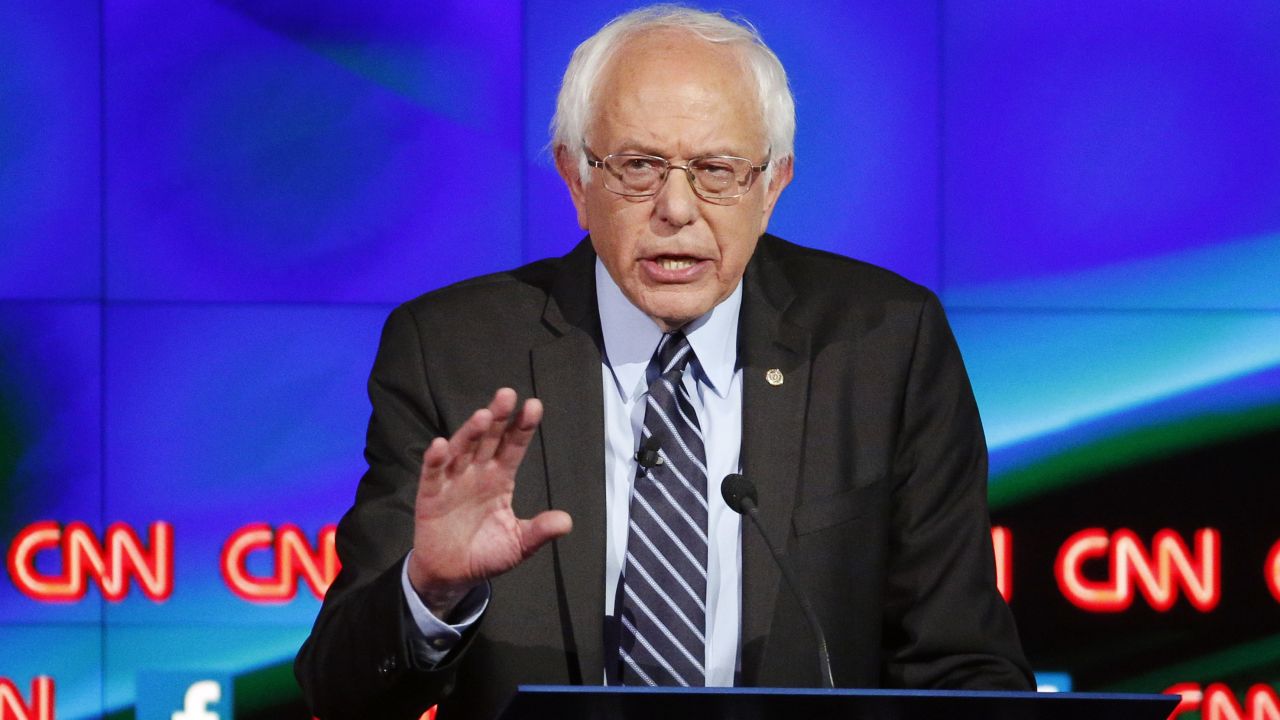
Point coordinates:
[(630, 338)]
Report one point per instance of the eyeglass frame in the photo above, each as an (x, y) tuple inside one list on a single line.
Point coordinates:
[(600, 163)]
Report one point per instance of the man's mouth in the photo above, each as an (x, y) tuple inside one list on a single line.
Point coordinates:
[(670, 263), (675, 268)]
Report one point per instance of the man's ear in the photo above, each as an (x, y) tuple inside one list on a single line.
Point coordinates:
[(781, 176), (568, 167)]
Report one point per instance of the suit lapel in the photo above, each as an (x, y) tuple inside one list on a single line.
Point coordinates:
[(566, 377), (775, 359)]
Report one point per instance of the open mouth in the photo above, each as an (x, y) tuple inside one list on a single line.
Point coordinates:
[(671, 263), (675, 268)]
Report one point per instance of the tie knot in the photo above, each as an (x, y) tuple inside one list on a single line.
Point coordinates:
[(674, 353)]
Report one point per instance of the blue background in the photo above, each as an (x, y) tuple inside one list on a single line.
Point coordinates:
[(207, 209)]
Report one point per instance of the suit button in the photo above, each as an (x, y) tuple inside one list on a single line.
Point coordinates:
[(387, 666)]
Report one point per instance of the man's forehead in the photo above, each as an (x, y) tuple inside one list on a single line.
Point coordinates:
[(672, 48), (663, 79)]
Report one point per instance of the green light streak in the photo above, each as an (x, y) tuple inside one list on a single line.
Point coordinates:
[(265, 688), (1120, 451), (1250, 660), (12, 442)]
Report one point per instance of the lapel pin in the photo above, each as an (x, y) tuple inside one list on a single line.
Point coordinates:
[(773, 376)]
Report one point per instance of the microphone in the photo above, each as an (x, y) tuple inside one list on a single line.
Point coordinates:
[(740, 494), (647, 455)]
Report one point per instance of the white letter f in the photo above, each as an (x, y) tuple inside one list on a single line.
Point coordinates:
[(195, 704)]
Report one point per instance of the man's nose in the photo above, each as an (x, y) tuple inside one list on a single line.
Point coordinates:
[(676, 203)]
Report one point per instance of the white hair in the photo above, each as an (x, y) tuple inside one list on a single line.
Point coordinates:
[(574, 105)]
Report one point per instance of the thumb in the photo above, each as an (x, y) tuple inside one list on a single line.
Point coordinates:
[(543, 528)]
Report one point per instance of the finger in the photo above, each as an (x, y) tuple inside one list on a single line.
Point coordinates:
[(433, 463), (518, 434), (502, 405), (543, 528), (463, 444)]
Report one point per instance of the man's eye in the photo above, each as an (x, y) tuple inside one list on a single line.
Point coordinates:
[(716, 169), (638, 165)]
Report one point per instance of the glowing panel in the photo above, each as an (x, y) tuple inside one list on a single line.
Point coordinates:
[(1045, 378), (50, 233), (286, 152), (131, 651), (58, 665), (225, 418), (1112, 155), (50, 437)]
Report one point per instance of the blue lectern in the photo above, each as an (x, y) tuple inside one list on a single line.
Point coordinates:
[(555, 702)]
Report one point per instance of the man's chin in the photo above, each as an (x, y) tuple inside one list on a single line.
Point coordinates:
[(675, 305), (673, 317)]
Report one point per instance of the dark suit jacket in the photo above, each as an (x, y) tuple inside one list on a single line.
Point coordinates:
[(869, 459)]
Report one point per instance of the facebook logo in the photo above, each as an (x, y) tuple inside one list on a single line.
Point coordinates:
[(184, 696)]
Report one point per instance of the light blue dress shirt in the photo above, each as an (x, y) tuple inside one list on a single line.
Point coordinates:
[(715, 386)]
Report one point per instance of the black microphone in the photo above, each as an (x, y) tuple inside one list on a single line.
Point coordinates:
[(647, 455), (740, 494)]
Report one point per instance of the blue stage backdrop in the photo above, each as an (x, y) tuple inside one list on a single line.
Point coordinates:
[(207, 208)]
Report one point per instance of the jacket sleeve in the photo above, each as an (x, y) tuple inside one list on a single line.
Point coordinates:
[(946, 625), (357, 662)]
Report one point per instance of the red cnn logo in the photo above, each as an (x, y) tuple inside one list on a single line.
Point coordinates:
[(1217, 702), (113, 562), (1272, 571), (12, 706), (1002, 543), (1157, 574), (292, 555)]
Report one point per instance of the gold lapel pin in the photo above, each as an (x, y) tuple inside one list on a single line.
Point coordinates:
[(773, 376)]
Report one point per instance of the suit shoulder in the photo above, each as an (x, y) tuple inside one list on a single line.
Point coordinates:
[(823, 276)]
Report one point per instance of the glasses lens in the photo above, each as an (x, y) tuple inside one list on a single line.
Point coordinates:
[(722, 176), (634, 174)]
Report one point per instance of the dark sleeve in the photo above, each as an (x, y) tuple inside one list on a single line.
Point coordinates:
[(946, 625), (357, 662)]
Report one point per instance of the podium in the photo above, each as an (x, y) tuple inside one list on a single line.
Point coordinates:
[(556, 702)]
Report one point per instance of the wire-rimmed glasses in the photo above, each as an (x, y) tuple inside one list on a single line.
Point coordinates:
[(713, 177)]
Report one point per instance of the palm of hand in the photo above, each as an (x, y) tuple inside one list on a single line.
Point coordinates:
[(465, 531), (468, 526)]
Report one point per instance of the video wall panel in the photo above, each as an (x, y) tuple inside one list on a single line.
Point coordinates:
[(232, 428), (56, 670), (299, 152), (1090, 374), (50, 455), (148, 668), (1112, 155), (50, 127)]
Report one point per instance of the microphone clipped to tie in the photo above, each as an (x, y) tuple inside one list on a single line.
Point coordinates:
[(648, 455), (740, 495)]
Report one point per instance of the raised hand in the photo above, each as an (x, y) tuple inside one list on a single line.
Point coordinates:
[(464, 529)]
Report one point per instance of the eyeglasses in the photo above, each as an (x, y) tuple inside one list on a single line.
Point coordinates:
[(713, 177)]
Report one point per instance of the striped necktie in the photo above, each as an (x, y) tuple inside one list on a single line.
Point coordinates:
[(662, 603)]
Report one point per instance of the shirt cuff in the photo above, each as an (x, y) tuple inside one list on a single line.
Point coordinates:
[(434, 637)]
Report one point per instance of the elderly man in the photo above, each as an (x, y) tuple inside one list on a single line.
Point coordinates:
[(679, 343)]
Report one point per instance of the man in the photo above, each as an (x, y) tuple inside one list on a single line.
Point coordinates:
[(679, 344)]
